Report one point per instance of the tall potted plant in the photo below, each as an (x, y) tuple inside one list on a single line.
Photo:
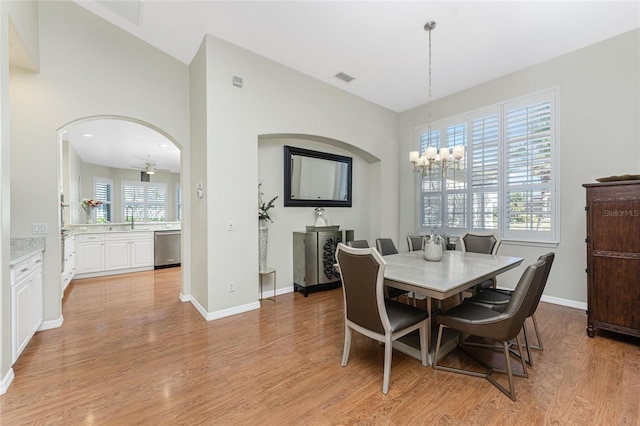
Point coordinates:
[(263, 219)]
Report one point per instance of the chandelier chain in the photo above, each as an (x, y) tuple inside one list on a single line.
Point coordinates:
[(423, 162)]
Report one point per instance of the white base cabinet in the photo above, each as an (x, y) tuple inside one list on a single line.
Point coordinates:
[(113, 253), (89, 253), (69, 261), (26, 302)]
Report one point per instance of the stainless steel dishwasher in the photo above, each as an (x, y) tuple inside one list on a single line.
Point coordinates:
[(167, 248)]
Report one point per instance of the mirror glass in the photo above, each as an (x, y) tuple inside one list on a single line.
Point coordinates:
[(316, 179)]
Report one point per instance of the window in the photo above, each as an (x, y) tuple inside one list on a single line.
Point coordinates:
[(148, 201), (507, 181), (103, 189)]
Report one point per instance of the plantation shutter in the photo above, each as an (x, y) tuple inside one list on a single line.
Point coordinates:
[(485, 172), (529, 173), (103, 192), (156, 202), (148, 200), (431, 186)]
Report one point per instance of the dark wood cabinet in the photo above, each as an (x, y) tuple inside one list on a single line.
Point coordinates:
[(613, 257)]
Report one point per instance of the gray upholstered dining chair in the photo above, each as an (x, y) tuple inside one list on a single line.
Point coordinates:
[(385, 247), (415, 242), (481, 321), (358, 243), (368, 312), (480, 243), (498, 299)]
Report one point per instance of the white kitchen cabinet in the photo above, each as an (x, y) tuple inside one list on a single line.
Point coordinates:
[(117, 254), (26, 302), (113, 252), (89, 253), (126, 250), (69, 268), (142, 252)]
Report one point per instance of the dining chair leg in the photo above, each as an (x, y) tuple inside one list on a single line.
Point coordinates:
[(527, 345), (347, 345), (535, 327), (434, 363), (388, 348), (522, 362)]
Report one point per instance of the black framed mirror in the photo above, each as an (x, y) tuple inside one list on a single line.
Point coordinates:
[(316, 179)]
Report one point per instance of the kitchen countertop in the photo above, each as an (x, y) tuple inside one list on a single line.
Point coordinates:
[(122, 227), (22, 248)]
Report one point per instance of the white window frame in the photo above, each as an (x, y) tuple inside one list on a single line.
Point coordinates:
[(106, 204), (502, 229), (141, 213)]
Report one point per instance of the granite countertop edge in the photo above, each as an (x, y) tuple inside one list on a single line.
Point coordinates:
[(23, 248)]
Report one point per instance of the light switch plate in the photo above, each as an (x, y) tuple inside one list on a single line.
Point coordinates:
[(39, 228)]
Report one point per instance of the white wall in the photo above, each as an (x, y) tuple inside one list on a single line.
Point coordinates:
[(287, 220), (598, 115), (88, 68), (276, 100)]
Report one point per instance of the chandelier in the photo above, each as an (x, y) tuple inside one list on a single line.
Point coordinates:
[(431, 158)]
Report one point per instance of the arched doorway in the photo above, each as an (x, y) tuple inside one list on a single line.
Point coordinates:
[(125, 164)]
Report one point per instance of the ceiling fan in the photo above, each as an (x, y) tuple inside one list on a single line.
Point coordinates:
[(149, 168)]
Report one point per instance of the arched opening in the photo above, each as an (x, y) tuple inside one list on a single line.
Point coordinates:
[(132, 171), (360, 217)]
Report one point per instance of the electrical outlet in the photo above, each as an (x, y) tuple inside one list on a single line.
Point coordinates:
[(232, 286), (230, 226)]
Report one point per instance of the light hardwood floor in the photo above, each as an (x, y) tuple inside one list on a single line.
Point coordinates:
[(130, 352)]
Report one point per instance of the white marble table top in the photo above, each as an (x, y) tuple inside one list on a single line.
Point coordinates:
[(456, 271)]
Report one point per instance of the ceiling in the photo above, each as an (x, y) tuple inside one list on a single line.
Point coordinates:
[(382, 44), (122, 144)]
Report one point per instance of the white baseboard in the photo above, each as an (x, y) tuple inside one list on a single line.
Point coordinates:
[(564, 302), (279, 291), (185, 297), (48, 325), (6, 382), (559, 301), (210, 316)]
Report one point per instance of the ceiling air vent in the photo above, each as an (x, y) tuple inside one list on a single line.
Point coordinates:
[(344, 77)]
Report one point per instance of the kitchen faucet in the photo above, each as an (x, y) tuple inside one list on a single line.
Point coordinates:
[(126, 214)]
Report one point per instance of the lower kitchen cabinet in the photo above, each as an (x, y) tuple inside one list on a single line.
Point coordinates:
[(89, 253), (69, 261), (115, 252), (128, 250), (26, 302)]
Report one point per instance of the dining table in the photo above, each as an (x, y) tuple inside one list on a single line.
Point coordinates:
[(456, 272)]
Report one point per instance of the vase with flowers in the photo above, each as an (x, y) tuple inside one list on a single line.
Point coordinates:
[(263, 218), (89, 205)]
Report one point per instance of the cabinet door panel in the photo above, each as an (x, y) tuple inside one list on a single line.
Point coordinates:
[(90, 257), (117, 255), (616, 297), (141, 253), (22, 306), (613, 222)]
